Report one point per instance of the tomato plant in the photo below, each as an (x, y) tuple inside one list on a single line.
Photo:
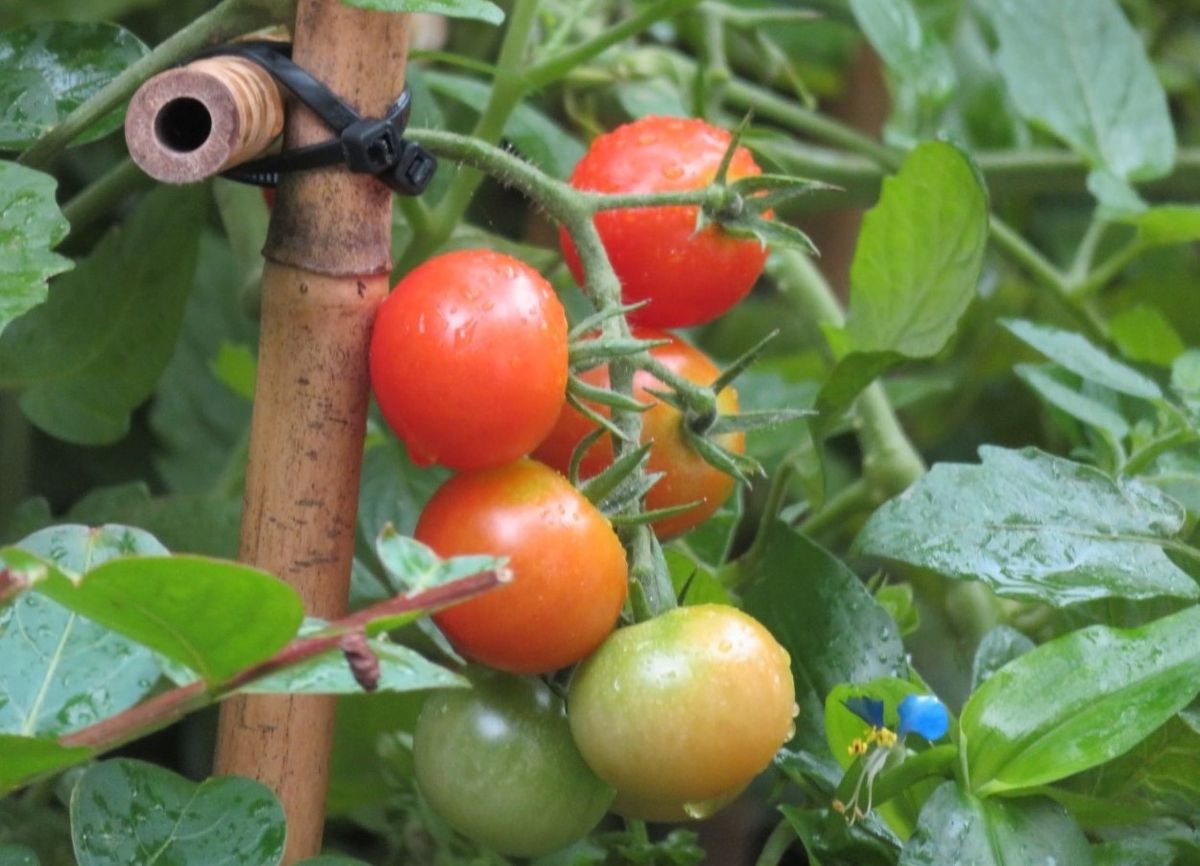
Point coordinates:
[(443, 365), (685, 707), (498, 764), (568, 567), (686, 276), (687, 477)]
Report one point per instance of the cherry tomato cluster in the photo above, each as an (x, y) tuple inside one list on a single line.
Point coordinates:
[(469, 365)]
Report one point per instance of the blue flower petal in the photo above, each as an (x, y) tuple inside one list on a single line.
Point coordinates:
[(925, 715), (867, 709)]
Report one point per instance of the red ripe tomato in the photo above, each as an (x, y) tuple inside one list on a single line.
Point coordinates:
[(686, 476), (469, 359), (569, 571), (684, 708), (688, 276)]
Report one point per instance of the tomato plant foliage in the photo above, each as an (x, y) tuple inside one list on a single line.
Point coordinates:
[(963, 475)]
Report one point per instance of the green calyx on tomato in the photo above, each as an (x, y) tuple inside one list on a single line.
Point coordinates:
[(469, 359), (684, 708), (688, 276), (569, 570), (687, 476), (498, 764)]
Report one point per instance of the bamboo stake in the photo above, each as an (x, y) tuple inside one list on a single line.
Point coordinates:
[(187, 124), (328, 258)]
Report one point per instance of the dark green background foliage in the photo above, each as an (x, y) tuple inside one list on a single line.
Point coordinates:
[(987, 486)]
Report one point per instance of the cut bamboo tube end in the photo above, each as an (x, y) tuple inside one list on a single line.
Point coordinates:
[(188, 124)]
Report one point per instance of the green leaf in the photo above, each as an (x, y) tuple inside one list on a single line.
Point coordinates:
[(1161, 772), (919, 255), (1078, 701), (30, 226), (414, 566), (185, 523), (1083, 359), (535, 135), (1077, 68), (1168, 224), (1061, 389), (1035, 527), (197, 420), (897, 599), (701, 583), (26, 758), (400, 670), (827, 621), (236, 368), (393, 490), (125, 811), (848, 378), (48, 70), (956, 827), (16, 855), (481, 10), (371, 749), (824, 833), (998, 647), (1143, 333), (332, 860), (919, 68), (214, 616), (63, 671), (93, 352)]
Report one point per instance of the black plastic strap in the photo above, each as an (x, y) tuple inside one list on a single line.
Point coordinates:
[(365, 145)]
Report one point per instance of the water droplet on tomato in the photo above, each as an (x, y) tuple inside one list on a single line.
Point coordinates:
[(674, 171)]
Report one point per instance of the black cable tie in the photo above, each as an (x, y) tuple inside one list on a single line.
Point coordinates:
[(365, 145)]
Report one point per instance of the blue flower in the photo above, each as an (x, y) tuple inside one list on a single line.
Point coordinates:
[(924, 715), (867, 709)]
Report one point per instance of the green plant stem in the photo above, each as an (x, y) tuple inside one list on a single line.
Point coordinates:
[(1044, 272), (890, 462), (854, 497), (508, 89), (167, 707), (228, 19), (1103, 273), (1027, 256), (777, 844), (1151, 451), (553, 68), (1086, 251), (511, 83), (938, 761), (107, 191)]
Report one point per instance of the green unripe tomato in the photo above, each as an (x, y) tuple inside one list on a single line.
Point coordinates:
[(498, 764), (683, 708)]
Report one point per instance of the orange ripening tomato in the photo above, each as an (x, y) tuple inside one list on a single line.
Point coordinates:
[(686, 475), (685, 708), (569, 570), (469, 359), (688, 276)]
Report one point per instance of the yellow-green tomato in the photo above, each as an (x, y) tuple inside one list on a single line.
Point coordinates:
[(628, 806), (683, 708), (498, 764)]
